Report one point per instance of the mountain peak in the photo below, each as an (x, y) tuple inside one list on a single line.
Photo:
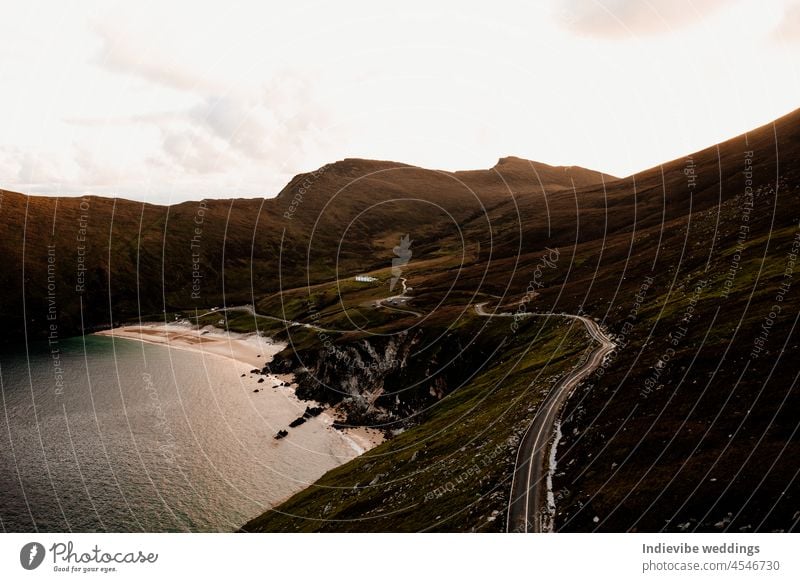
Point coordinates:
[(362, 165), (514, 168), (514, 160)]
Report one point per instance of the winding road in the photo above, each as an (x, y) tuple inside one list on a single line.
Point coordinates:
[(387, 303), (390, 302), (528, 510), (527, 507)]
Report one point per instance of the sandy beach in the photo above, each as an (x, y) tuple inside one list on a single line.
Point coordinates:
[(251, 349), (247, 351)]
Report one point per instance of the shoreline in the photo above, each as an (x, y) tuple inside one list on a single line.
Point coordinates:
[(251, 350)]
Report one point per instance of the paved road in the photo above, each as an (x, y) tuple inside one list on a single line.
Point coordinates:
[(527, 507), (390, 302), (387, 303)]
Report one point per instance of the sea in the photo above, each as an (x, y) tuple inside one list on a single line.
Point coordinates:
[(115, 435)]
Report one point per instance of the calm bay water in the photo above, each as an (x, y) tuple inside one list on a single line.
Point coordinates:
[(147, 438)]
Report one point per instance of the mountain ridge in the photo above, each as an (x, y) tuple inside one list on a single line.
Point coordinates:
[(659, 258)]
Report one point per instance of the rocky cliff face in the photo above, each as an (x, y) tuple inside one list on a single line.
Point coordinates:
[(381, 379)]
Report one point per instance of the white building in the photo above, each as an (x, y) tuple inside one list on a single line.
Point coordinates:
[(365, 279)]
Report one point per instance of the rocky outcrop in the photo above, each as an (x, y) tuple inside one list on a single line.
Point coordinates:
[(380, 379)]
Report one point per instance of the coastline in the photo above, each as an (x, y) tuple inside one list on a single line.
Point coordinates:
[(250, 349), (249, 352)]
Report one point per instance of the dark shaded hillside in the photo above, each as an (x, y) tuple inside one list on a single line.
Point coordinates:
[(692, 424), (143, 259), (117, 259)]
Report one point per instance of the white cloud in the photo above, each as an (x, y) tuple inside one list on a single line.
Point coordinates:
[(118, 55), (170, 101), (789, 27), (627, 19)]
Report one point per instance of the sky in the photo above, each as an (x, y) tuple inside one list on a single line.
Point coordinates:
[(173, 101)]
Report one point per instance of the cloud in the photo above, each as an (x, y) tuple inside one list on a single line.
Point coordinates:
[(72, 172), (272, 121), (268, 131), (120, 53), (194, 151), (23, 168), (155, 117), (624, 19), (97, 172), (789, 27), (180, 100), (266, 127)]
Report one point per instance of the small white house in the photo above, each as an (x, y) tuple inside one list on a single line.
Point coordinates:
[(365, 279)]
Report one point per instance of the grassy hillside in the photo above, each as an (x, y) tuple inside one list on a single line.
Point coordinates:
[(113, 259), (451, 470), (690, 426), (692, 265)]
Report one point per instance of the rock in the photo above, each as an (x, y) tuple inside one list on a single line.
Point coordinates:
[(256, 390), (297, 422), (243, 375), (255, 371), (281, 434), (312, 411), (260, 380)]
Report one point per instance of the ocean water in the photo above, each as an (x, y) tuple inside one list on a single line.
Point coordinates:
[(141, 437)]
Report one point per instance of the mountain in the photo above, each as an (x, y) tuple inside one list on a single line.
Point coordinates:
[(518, 172), (689, 426), (690, 266), (141, 259)]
